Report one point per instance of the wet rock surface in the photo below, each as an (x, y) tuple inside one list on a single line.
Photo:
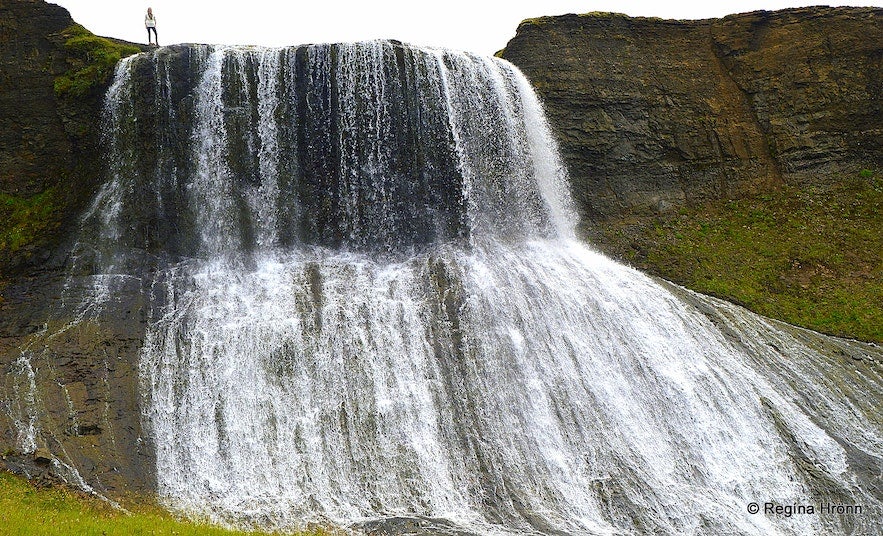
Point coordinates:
[(651, 115), (72, 413), (85, 379)]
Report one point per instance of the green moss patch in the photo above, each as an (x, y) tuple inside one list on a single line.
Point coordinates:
[(92, 61), (813, 258), (24, 220), (26, 510)]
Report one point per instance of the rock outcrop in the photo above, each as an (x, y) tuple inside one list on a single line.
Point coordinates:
[(50, 164), (651, 115), (35, 147), (47, 144), (84, 388), (654, 114)]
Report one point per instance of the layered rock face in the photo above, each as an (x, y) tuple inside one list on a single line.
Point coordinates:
[(48, 145), (34, 146), (654, 114), (49, 149)]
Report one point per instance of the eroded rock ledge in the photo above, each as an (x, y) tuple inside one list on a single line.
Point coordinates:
[(655, 114)]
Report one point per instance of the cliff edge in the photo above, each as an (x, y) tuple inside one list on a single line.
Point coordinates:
[(739, 156), (52, 77), (655, 114), (53, 74)]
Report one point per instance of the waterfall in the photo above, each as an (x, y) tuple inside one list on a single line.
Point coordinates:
[(366, 306)]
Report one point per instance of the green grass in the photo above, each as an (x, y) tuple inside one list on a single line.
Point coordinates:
[(813, 258), (92, 61), (26, 510), (23, 220)]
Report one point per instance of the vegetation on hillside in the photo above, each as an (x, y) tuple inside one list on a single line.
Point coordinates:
[(811, 257), (22, 220), (92, 61), (26, 510), (28, 220)]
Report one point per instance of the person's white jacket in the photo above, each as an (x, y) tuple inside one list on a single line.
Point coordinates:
[(149, 22)]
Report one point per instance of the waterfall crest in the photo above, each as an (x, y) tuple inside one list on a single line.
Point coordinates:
[(365, 304), (375, 147)]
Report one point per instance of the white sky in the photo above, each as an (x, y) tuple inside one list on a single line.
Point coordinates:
[(474, 25)]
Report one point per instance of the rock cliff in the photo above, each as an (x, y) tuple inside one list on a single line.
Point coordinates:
[(654, 114), (52, 77), (740, 157), (45, 144)]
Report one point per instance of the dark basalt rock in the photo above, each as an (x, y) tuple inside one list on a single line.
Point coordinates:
[(49, 142), (314, 207), (651, 115), (657, 114), (34, 146), (86, 378)]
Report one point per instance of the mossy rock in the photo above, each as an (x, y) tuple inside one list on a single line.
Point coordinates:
[(24, 220), (812, 257), (92, 60)]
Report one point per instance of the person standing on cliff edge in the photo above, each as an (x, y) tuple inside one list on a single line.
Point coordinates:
[(150, 24)]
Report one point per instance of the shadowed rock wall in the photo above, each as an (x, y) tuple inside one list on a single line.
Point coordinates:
[(48, 145), (655, 114), (86, 376)]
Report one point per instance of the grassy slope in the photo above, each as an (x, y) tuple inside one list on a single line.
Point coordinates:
[(92, 60), (26, 510), (813, 258)]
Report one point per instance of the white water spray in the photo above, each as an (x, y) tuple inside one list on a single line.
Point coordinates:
[(368, 304)]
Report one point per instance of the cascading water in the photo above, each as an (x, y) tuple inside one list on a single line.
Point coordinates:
[(366, 306)]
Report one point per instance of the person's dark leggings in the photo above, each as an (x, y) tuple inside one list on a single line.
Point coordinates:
[(155, 38)]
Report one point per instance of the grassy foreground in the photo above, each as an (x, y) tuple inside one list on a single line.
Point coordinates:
[(811, 257), (26, 510)]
